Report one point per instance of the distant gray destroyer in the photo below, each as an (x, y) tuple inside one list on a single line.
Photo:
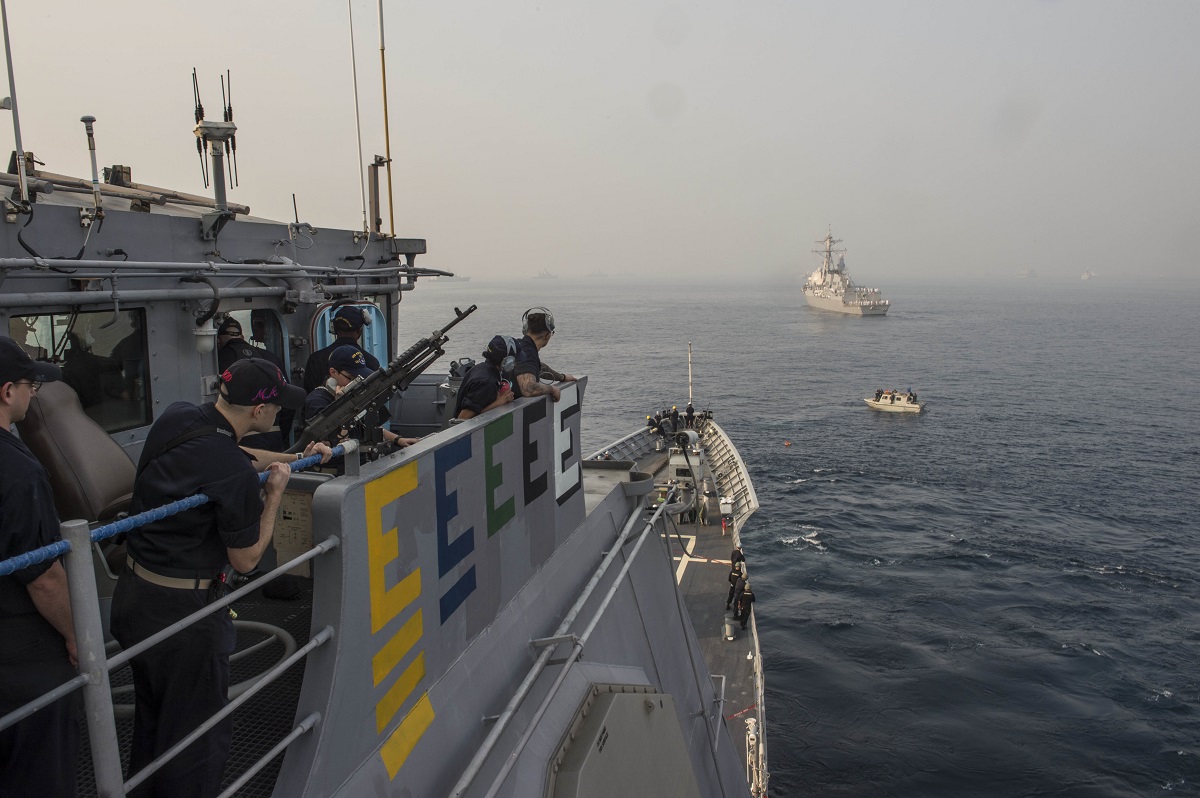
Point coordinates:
[(830, 286)]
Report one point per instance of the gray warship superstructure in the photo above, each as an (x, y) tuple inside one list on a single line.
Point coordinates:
[(830, 286), (490, 612)]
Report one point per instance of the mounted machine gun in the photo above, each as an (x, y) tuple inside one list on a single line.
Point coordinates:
[(364, 396)]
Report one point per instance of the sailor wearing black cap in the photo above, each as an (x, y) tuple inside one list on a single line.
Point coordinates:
[(37, 754), (488, 384), (174, 562), (347, 363), (232, 346), (348, 322), (537, 326)]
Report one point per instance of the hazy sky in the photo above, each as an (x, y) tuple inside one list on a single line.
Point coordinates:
[(958, 139)]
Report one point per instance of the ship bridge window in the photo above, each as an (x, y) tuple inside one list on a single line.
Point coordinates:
[(374, 336), (103, 357)]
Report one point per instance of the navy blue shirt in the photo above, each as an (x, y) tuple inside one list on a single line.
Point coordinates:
[(236, 349), (192, 543), (528, 362), (316, 370), (479, 388), (317, 401), (28, 521)]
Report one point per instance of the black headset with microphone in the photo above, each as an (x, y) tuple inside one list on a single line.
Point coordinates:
[(346, 303), (525, 319), (510, 360)]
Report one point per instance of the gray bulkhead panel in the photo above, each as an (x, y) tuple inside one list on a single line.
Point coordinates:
[(437, 541), (624, 743)]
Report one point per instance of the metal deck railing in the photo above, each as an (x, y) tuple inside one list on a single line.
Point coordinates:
[(96, 667)]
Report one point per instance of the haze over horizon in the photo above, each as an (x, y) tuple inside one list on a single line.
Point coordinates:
[(937, 139)]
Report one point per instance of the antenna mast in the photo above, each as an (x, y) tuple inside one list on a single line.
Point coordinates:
[(216, 135), (12, 96), (387, 138)]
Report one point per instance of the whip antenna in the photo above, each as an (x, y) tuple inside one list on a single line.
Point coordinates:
[(362, 186), (387, 138), (231, 144), (200, 140)]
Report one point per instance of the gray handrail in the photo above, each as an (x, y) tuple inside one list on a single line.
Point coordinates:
[(330, 542), (514, 703), (308, 724), (318, 639), (577, 648)]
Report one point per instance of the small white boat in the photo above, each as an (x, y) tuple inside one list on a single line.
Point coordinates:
[(895, 402)]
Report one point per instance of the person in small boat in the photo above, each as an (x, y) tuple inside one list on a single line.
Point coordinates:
[(488, 384), (348, 323), (38, 755), (878, 394), (537, 327)]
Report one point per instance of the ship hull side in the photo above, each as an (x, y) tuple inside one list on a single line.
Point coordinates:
[(836, 305)]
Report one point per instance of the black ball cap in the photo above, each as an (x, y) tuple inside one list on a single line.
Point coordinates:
[(16, 364), (255, 381)]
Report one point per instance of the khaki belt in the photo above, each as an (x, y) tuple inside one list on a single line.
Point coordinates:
[(176, 582)]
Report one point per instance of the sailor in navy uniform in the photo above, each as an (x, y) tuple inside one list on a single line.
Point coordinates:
[(537, 326), (737, 579), (38, 755), (174, 563), (488, 384), (348, 322), (347, 363), (690, 415), (744, 600), (231, 346)]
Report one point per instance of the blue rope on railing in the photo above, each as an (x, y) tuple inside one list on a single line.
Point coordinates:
[(60, 547), (56, 549)]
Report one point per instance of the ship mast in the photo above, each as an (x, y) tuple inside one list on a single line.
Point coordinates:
[(828, 253)]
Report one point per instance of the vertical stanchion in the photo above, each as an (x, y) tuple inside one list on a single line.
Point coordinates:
[(89, 644)]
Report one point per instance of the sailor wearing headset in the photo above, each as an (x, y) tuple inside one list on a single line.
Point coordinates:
[(537, 324), (488, 384), (348, 322)]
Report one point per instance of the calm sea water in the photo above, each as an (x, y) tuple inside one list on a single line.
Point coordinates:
[(996, 598)]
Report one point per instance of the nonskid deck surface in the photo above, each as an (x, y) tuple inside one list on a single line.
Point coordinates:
[(702, 572), (701, 554), (259, 724)]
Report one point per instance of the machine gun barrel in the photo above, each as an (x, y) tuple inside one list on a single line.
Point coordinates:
[(363, 395)]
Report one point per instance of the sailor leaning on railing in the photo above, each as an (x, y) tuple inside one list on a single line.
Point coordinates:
[(174, 569), (38, 650), (174, 565)]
